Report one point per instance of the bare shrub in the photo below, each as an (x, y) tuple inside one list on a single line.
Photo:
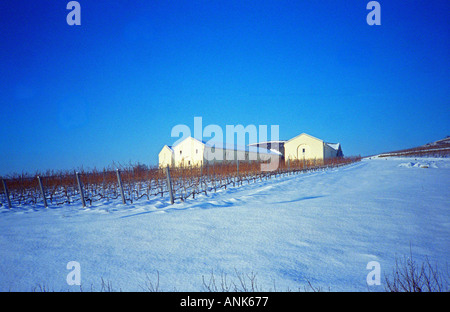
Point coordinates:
[(242, 283), (410, 276), (151, 286)]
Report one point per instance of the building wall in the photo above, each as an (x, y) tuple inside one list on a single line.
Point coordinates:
[(189, 153), (304, 146), (214, 155), (165, 157), (329, 152)]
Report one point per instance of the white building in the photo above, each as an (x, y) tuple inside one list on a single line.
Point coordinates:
[(305, 146), (192, 152)]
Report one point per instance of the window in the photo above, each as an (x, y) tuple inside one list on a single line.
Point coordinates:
[(189, 162), (196, 151), (303, 150), (213, 149), (180, 152)]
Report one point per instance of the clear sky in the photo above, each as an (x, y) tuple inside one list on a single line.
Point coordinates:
[(113, 88)]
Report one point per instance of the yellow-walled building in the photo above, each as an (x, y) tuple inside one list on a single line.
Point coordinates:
[(305, 146)]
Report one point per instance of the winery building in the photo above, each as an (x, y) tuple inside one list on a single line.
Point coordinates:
[(192, 152)]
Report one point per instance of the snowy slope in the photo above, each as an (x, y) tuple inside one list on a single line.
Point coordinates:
[(323, 227)]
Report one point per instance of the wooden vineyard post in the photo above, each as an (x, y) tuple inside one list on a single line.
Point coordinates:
[(169, 185), (119, 179), (80, 188), (42, 191), (237, 169), (201, 177), (6, 193)]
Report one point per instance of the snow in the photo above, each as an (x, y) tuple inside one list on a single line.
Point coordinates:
[(322, 227), (427, 163), (334, 146)]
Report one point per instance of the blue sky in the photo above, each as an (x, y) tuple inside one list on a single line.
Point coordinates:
[(113, 88)]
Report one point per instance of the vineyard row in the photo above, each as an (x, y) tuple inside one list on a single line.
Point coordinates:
[(134, 183)]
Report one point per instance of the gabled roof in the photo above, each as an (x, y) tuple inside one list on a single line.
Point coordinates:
[(334, 146), (169, 147), (189, 137), (304, 134)]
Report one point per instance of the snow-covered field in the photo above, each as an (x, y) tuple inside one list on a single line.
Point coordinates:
[(322, 227)]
